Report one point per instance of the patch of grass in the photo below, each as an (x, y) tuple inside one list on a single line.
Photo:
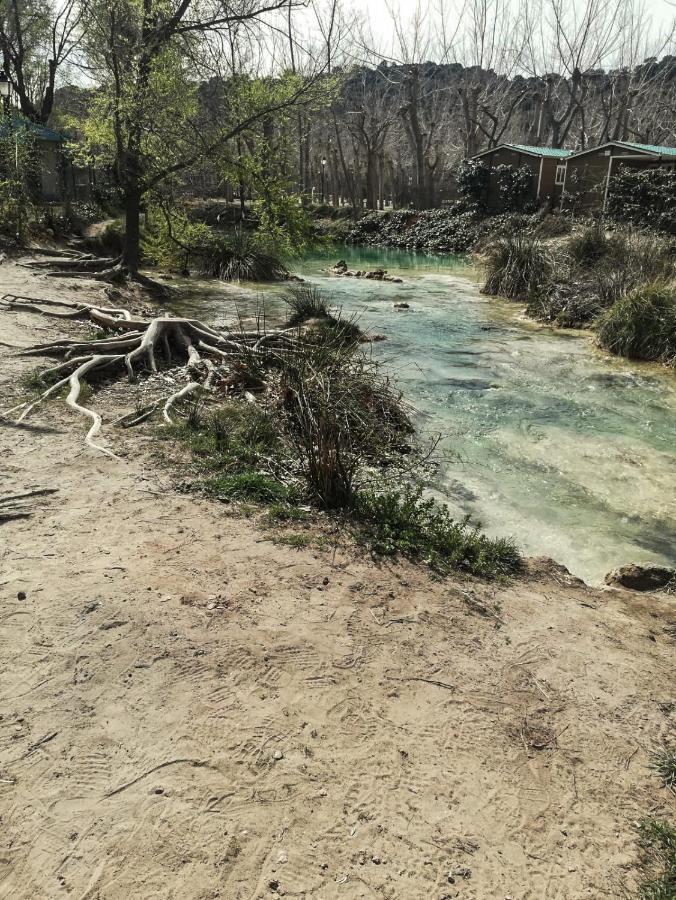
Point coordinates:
[(297, 540), (423, 530), (285, 512), (642, 325), (252, 486), (664, 763), (657, 840), (517, 266), (235, 437), (308, 304)]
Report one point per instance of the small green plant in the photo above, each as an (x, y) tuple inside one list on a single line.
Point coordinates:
[(517, 266), (664, 763), (642, 325), (238, 256), (657, 840), (422, 529)]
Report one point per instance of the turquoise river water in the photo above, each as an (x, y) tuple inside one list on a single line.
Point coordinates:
[(544, 438)]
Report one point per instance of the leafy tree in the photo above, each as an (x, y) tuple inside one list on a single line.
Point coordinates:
[(147, 120)]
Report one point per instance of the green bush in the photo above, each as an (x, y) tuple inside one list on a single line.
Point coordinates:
[(423, 530), (644, 197), (642, 325), (517, 266), (306, 302)]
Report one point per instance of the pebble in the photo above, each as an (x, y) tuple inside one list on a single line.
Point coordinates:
[(325, 580), (375, 860), (21, 595), (278, 754)]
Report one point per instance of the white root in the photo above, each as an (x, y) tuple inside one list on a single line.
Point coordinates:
[(187, 389), (137, 339), (72, 398)]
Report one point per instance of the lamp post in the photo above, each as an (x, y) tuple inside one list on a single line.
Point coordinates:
[(323, 168), (5, 91)]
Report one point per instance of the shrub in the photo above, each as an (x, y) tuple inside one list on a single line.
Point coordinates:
[(473, 178), (309, 304), (423, 530), (513, 187), (517, 266), (340, 416), (644, 197), (553, 225), (642, 325)]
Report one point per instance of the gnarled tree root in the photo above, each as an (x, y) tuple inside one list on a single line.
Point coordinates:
[(204, 352)]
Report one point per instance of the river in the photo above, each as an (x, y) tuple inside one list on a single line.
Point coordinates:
[(544, 438)]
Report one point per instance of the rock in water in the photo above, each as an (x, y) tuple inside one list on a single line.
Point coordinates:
[(641, 578)]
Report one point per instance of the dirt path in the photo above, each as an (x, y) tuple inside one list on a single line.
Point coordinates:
[(189, 710)]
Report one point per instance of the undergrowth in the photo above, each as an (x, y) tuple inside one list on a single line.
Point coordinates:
[(325, 429), (406, 523)]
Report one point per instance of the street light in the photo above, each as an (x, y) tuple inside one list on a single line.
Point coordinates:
[(323, 168), (5, 90)]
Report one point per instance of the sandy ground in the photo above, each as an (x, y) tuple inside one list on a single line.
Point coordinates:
[(189, 710)]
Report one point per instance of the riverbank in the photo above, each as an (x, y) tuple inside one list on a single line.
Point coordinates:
[(192, 708)]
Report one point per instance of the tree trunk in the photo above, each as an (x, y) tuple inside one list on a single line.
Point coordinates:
[(132, 237)]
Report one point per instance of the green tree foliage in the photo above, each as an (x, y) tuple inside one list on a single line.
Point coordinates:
[(148, 121)]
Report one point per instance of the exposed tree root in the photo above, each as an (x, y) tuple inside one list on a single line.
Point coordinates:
[(112, 270), (210, 356)]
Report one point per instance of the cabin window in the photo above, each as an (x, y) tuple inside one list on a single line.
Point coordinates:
[(560, 174)]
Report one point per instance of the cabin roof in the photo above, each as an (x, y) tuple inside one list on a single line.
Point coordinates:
[(39, 132), (645, 149), (554, 152)]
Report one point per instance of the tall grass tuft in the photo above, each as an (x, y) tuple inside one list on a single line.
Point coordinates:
[(239, 256), (516, 266), (305, 302), (642, 325)]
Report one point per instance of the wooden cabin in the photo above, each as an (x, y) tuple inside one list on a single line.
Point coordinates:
[(588, 172), (547, 166)]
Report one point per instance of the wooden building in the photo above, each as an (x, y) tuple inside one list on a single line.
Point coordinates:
[(58, 179), (588, 172), (547, 166)]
